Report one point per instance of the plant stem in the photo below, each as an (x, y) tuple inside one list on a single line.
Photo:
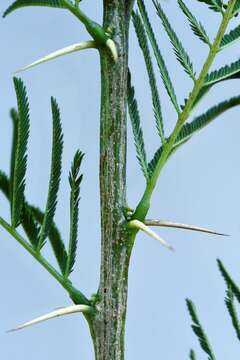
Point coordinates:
[(75, 294), (108, 324), (144, 204)]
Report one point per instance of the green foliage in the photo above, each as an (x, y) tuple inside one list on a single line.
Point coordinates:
[(230, 38), (199, 331), (20, 153), (215, 5), (143, 43), (226, 72), (56, 164), (75, 181), (23, 3), (196, 26), (160, 61), (229, 301), (192, 355), (180, 52), (4, 184), (236, 8), (54, 236), (229, 281), (197, 124), (137, 130)]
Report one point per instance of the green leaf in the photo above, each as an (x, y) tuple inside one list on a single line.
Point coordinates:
[(20, 156), (195, 25), (15, 122), (30, 225), (31, 211), (75, 181), (230, 38), (199, 331), (180, 52), (197, 124), (160, 61), (23, 3), (229, 281), (137, 130), (143, 43), (4, 184), (54, 236), (56, 164), (215, 5), (192, 355), (226, 72), (229, 301), (236, 8)]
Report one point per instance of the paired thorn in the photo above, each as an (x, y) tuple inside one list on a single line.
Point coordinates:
[(110, 44), (136, 224), (170, 224), (58, 312), (91, 44)]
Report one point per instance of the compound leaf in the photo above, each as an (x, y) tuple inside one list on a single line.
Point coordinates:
[(20, 153), (180, 52), (160, 61), (137, 130), (23, 3), (75, 181), (142, 39), (195, 25), (56, 164), (199, 331)]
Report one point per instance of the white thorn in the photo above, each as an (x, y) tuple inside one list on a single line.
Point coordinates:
[(170, 224), (141, 226), (59, 312), (67, 50), (112, 47)]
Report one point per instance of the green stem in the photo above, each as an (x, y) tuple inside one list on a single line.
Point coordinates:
[(95, 30), (75, 294), (144, 204)]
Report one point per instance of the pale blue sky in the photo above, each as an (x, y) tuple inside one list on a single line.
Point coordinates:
[(200, 185)]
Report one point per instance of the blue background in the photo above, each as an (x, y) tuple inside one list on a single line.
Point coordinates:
[(199, 185)]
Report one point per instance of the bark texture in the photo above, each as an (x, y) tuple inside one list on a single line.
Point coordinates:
[(108, 325)]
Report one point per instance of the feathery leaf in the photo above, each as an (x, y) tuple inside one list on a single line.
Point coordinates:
[(30, 225), (15, 120), (4, 184), (199, 331), (230, 38), (143, 43), (226, 72), (197, 124), (160, 61), (236, 8), (180, 52), (56, 164), (75, 181), (20, 156), (192, 355), (23, 3), (215, 5), (54, 236), (137, 130), (195, 25), (229, 281), (229, 301)]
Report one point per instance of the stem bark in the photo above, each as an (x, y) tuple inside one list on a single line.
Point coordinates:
[(108, 323)]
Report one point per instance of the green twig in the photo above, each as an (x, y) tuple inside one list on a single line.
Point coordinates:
[(144, 204), (75, 294)]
